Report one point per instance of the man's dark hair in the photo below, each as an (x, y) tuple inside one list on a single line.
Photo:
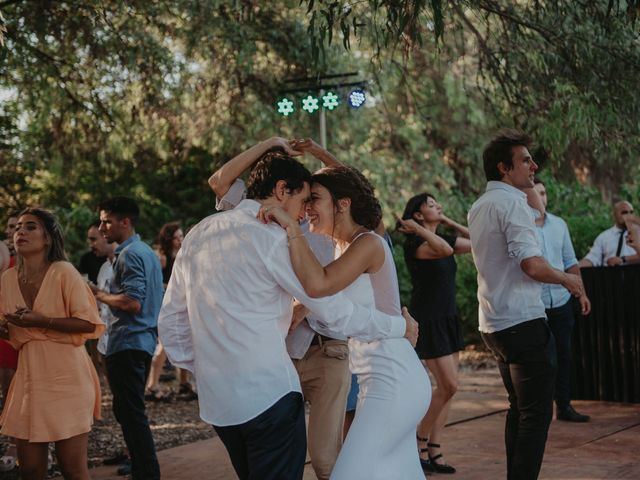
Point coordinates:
[(499, 150), (95, 223), (273, 166), (537, 181), (121, 207)]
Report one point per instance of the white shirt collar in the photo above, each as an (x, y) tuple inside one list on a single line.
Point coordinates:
[(499, 185)]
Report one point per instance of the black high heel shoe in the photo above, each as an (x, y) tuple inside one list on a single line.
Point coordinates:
[(435, 466), (425, 464)]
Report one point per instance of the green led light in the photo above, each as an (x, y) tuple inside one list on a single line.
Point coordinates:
[(330, 101), (310, 104), (285, 107)]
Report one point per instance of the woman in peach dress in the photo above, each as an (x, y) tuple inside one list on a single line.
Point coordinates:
[(49, 312)]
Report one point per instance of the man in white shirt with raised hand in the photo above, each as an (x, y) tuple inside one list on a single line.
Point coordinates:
[(227, 311), (610, 248), (512, 318), (322, 362)]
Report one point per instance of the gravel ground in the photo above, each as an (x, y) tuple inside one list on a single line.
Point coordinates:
[(177, 421), (173, 423)]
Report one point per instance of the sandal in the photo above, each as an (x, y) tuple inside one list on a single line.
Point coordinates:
[(425, 464), (435, 466)]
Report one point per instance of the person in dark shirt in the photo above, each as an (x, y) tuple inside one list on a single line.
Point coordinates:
[(90, 262)]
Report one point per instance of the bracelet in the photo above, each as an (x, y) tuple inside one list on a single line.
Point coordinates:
[(49, 324), (624, 259), (294, 237)]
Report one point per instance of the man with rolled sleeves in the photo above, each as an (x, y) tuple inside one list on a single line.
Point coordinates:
[(512, 320), (135, 298)]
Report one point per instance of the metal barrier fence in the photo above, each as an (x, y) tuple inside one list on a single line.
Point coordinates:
[(606, 344)]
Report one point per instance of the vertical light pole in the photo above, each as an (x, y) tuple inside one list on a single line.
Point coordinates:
[(323, 123)]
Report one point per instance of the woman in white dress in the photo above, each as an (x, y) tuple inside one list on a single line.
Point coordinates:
[(394, 388)]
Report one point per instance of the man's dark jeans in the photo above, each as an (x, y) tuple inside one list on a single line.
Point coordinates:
[(271, 446), (127, 372), (526, 355), (561, 320)]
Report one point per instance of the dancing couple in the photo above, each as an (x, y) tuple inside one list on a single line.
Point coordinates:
[(228, 309)]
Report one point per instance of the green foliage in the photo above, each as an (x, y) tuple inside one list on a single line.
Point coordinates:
[(147, 99), (388, 21)]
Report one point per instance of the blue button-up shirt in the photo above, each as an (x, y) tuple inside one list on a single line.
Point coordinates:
[(557, 249), (138, 275)]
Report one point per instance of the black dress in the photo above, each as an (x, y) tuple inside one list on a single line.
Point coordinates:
[(433, 301), (166, 271)]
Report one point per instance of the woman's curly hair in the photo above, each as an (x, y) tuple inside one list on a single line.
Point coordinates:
[(347, 182)]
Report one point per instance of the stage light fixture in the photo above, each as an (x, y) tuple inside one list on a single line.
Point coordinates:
[(310, 104), (357, 98), (330, 100), (285, 107)]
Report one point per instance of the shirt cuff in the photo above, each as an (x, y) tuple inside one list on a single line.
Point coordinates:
[(525, 253), (593, 259), (134, 295), (398, 327), (571, 264)]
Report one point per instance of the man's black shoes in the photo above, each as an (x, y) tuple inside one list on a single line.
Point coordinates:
[(568, 414)]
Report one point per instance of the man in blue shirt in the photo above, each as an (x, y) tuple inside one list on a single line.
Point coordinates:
[(135, 300), (557, 249)]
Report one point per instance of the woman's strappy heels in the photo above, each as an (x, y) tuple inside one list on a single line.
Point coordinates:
[(431, 465)]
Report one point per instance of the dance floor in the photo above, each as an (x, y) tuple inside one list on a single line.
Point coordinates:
[(605, 448)]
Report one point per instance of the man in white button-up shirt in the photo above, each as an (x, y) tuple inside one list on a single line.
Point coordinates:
[(610, 248), (512, 318), (227, 311)]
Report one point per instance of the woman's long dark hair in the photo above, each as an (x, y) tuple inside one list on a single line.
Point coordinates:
[(52, 231), (165, 238), (413, 206)]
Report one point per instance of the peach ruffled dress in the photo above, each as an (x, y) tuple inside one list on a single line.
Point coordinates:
[(55, 393)]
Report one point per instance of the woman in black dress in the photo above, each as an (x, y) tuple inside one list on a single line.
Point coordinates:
[(169, 242), (430, 260)]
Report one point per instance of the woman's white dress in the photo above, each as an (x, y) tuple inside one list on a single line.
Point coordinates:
[(395, 391)]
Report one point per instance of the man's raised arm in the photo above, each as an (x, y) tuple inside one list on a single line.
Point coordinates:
[(223, 178)]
